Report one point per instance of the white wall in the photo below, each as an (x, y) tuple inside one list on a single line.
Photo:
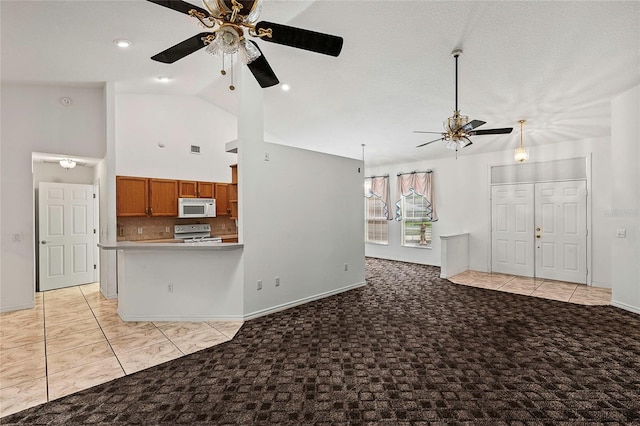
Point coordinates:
[(624, 210), (33, 120), (463, 205), (302, 222), (144, 120)]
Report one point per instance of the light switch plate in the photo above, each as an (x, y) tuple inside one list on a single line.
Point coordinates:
[(621, 233)]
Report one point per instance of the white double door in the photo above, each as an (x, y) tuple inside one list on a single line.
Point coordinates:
[(540, 230), (66, 235)]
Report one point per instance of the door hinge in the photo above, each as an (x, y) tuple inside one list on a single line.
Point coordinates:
[(94, 231), (94, 195), (95, 266)]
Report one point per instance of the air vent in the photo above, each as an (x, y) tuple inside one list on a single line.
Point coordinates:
[(195, 149)]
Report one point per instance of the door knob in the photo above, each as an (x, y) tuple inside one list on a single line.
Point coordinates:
[(538, 236), (43, 242)]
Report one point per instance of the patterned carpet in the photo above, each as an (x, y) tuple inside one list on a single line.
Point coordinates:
[(409, 348)]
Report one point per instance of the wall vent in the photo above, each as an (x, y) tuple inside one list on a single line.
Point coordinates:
[(195, 149)]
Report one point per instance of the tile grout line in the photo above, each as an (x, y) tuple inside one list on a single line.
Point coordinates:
[(44, 331), (102, 331)]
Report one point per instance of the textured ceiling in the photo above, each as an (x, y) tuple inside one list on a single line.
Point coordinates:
[(556, 64)]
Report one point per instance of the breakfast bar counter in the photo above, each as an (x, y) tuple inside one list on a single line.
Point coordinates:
[(170, 281)]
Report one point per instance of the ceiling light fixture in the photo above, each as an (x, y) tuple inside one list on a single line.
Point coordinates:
[(67, 163), (122, 43), (521, 153), (285, 87), (164, 79)]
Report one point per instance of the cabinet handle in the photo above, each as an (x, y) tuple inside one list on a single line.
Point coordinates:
[(151, 211), (146, 211)]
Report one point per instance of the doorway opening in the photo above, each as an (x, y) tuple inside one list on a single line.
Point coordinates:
[(540, 220)]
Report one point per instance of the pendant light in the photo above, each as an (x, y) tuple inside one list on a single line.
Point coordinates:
[(521, 153)]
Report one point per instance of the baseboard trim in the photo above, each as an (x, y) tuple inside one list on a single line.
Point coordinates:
[(302, 301), (617, 304), (179, 318), (17, 307)]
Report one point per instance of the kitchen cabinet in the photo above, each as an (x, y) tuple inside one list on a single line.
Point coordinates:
[(193, 189), (222, 199), (139, 196), (233, 192)]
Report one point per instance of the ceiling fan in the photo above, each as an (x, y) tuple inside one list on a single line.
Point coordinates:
[(458, 128), (227, 21)]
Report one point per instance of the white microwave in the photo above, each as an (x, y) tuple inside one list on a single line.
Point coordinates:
[(196, 207)]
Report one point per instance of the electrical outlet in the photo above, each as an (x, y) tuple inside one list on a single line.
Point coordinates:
[(277, 282), (259, 284), (266, 156), (167, 229), (139, 230), (170, 287), (621, 233), (223, 226), (346, 266)]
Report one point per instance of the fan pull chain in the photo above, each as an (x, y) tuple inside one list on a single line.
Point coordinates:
[(222, 71), (232, 87)]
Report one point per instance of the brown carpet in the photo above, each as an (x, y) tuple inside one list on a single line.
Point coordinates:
[(409, 348)]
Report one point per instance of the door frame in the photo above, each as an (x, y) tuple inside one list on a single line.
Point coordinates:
[(589, 177)]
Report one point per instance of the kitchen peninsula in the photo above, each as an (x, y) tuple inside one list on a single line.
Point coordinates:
[(200, 281)]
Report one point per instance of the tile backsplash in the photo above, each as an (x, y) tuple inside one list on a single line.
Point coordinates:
[(154, 228)]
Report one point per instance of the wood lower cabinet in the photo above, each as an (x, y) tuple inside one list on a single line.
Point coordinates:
[(194, 189), (139, 197)]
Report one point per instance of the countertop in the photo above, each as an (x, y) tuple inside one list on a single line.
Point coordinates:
[(168, 245)]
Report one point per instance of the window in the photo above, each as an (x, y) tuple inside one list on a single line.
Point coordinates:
[(376, 212), (416, 223)]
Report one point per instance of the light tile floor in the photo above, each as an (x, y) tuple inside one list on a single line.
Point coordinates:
[(536, 287), (74, 339)]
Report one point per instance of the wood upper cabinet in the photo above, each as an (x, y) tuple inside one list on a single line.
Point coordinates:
[(132, 196), (233, 193), (138, 196), (222, 199), (163, 197), (193, 189)]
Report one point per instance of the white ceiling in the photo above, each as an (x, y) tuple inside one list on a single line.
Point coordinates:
[(555, 64)]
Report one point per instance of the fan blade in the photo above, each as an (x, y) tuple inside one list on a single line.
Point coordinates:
[(420, 131), (427, 143), (181, 49), (467, 143), (302, 39), (472, 125), (180, 6), (262, 71), (491, 131)]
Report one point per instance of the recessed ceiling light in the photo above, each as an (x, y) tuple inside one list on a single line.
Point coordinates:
[(285, 87), (121, 42), (164, 79)]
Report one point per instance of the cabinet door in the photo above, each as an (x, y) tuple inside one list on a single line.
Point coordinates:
[(222, 199), (206, 190), (187, 189), (233, 201), (132, 196), (163, 197)]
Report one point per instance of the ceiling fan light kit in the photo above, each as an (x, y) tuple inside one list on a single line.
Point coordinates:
[(521, 153), (227, 21), (458, 128)]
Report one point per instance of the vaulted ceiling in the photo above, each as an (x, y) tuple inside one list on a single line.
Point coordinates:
[(555, 64)]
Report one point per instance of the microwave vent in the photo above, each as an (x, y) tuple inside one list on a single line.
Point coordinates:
[(195, 149)]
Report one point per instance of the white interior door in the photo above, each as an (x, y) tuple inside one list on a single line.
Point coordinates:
[(561, 231), (512, 233), (66, 252)]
